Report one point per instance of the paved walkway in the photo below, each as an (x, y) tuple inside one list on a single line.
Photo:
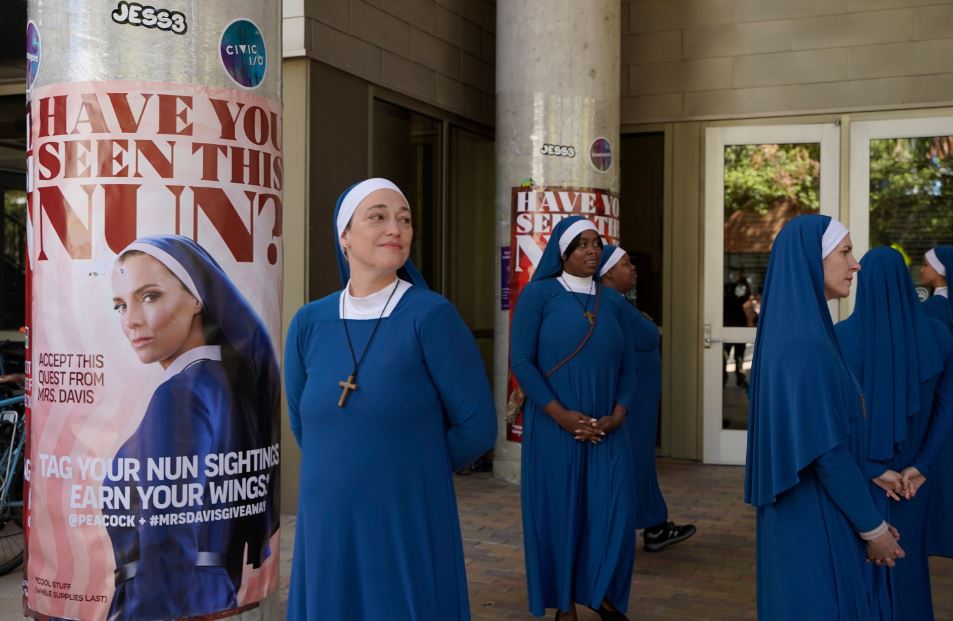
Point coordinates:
[(709, 577)]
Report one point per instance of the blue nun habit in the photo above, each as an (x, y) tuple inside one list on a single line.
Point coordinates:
[(650, 509), (578, 514), (937, 305), (208, 407), (940, 513), (898, 353), (800, 474), (378, 534)]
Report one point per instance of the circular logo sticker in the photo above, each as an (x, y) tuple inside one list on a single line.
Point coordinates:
[(32, 53), (243, 53), (600, 154)]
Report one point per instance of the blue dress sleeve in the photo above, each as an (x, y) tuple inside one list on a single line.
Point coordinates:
[(941, 419), (295, 374), (456, 368), (628, 372), (168, 551), (524, 343), (839, 475)]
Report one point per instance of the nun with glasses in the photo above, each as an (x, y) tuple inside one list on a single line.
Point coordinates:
[(575, 361), (617, 272), (816, 520), (903, 359), (387, 396)]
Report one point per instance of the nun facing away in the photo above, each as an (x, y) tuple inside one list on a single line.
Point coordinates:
[(576, 363), (387, 396), (904, 362), (815, 515), (617, 272)]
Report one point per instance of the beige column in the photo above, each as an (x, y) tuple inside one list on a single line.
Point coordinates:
[(557, 125)]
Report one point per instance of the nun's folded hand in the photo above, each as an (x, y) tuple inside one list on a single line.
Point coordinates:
[(608, 424), (912, 480), (576, 423), (891, 483), (884, 550)]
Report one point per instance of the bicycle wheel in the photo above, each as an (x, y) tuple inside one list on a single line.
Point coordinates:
[(11, 518)]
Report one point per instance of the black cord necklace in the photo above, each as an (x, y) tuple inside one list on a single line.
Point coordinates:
[(585, 307), (350, 384)]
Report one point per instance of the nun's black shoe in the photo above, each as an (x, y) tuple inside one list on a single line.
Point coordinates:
[(610, 615)]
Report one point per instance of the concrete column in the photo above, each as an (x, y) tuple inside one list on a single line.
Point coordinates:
[(557, 126), (149, 119)]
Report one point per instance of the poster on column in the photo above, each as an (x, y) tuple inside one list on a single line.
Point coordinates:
[(535, 211), (155, 247)]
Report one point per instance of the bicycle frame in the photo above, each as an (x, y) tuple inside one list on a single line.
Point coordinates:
[(13, 453)]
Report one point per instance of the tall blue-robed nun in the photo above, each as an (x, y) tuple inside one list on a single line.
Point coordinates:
[(902, 359), (937, 266), (576, 363), (387, 396), (220, 394), (814, 512)]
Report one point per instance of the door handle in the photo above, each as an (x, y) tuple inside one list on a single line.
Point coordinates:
[(709, 339)]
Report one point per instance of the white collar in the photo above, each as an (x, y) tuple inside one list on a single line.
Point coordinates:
[(371, 306), (203, 352), (944, 291), (577, 284)]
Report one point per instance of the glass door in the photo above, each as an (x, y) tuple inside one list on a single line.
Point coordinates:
[(756, 179), (901, 187)]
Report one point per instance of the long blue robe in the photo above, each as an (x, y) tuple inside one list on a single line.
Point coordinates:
[(900, 354), (940, 308), (378, 533), (190, 414), (578, 514), (650, 509), (801, 471)]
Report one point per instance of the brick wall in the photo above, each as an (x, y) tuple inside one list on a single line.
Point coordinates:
[(697, 59), (437, 51)]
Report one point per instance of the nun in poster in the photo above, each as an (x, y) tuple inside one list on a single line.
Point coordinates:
[(651, 514), (576, 363), (904, 362), (220, 394), (387, 396), (816, 521)]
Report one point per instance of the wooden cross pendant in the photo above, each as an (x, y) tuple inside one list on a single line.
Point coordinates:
[(346, 387), (589, 317)]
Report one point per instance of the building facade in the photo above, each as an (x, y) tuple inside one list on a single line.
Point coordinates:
[(735, 116)]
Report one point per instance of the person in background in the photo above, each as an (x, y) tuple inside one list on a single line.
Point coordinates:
[(904, 362), (617, 272), (937, 263)]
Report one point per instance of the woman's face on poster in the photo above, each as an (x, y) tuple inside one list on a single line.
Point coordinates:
[(158, 315), (380, 232)]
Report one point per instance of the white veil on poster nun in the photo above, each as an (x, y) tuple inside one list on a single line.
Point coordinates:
[(217, 411)]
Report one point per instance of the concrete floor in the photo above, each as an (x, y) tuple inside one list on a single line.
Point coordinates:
[(709, 577)]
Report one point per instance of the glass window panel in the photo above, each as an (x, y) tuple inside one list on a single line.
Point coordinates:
[(407, 150), (911, 196), (471, 235), (765, 186)]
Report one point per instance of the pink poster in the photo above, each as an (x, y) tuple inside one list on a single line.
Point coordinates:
[(535, 212), (154, 241)]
